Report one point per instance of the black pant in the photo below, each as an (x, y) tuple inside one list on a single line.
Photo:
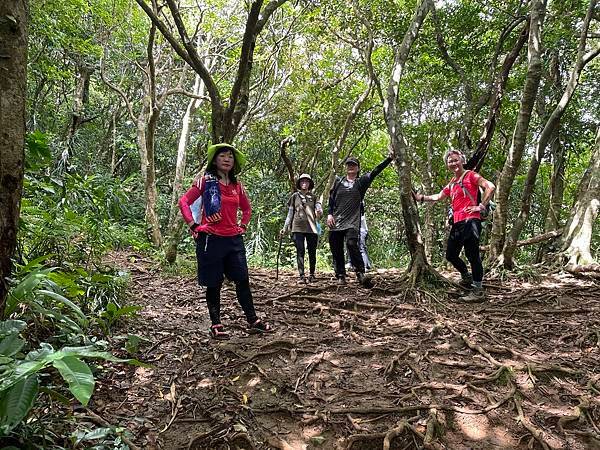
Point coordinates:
[(336, 244), (311, 243), (244, 296), (466, 234)]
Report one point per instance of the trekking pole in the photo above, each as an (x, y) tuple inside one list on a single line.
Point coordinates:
[(278, 254)]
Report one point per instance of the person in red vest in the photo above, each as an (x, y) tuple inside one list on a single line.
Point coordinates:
[(220, 247), (466, 215)]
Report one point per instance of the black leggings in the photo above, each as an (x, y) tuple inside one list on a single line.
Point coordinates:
[(311, 244), (466, 234), (336, 244), (244, 296)]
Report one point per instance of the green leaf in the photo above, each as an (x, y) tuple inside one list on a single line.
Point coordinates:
[(21, 372), (133, 343), (55, 395), (92, 435), (11, 345), (79, 377), (16, 403), (82, 318), (11, 326)]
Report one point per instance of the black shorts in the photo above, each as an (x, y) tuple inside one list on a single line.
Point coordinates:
[(220, 256)]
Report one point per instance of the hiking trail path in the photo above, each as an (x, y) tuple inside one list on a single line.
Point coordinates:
[(353, 368)]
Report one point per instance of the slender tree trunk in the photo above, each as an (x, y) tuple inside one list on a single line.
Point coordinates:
[(498, 87), (13, 94), (515, 154), (577, 234), (550, 129), (557, 151), (366, 53), (145, 143), (429, 228), (557, 183), (339, 144), (418, 265), (81, 97), (146, 130), (113, 144), (176, 225), (225, 120)]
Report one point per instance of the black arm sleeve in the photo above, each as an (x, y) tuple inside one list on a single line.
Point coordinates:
[(377, 170), (367, 179)]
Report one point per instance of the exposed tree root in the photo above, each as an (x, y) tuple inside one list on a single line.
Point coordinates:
[(580, 409), (533, 430)]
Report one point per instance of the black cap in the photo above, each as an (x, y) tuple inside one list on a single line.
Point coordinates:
[(352, 160)]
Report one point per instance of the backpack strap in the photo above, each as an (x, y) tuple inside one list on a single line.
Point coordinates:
[(462, 186)]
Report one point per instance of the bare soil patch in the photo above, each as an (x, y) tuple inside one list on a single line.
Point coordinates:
[(352, 368)]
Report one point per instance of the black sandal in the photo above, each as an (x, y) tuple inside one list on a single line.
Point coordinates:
[(259, 327), (218, 332)]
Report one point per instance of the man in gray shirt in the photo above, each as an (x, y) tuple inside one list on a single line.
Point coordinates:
[(344, 216)]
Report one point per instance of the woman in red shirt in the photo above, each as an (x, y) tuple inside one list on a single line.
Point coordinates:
[(466, 229), (220, 247)]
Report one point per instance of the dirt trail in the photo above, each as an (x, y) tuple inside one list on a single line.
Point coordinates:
[(350, 368)]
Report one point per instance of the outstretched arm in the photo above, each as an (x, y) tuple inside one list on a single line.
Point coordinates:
[(379, 168), (430, 198)]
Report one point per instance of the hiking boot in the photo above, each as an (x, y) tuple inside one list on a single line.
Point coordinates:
[(364, 280), (475, 296), (360, 277), (312, 278), (302, 280), (341, 281), (466, 282)]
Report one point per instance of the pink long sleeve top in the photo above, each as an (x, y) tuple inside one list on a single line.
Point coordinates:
[(233, 198)]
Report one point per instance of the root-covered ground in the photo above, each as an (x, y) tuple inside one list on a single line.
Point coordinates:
[(352, 368)]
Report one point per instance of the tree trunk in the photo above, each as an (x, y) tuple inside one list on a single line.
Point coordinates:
[(175, 226), (418, 265), (429, 228), (550, 129), (515, 153), (113, 144), (557, 183), (13, 95), (80, 100), (557, 180), (498, 87), (225, 121), (577, 234), (335, 153), (145, 143)]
